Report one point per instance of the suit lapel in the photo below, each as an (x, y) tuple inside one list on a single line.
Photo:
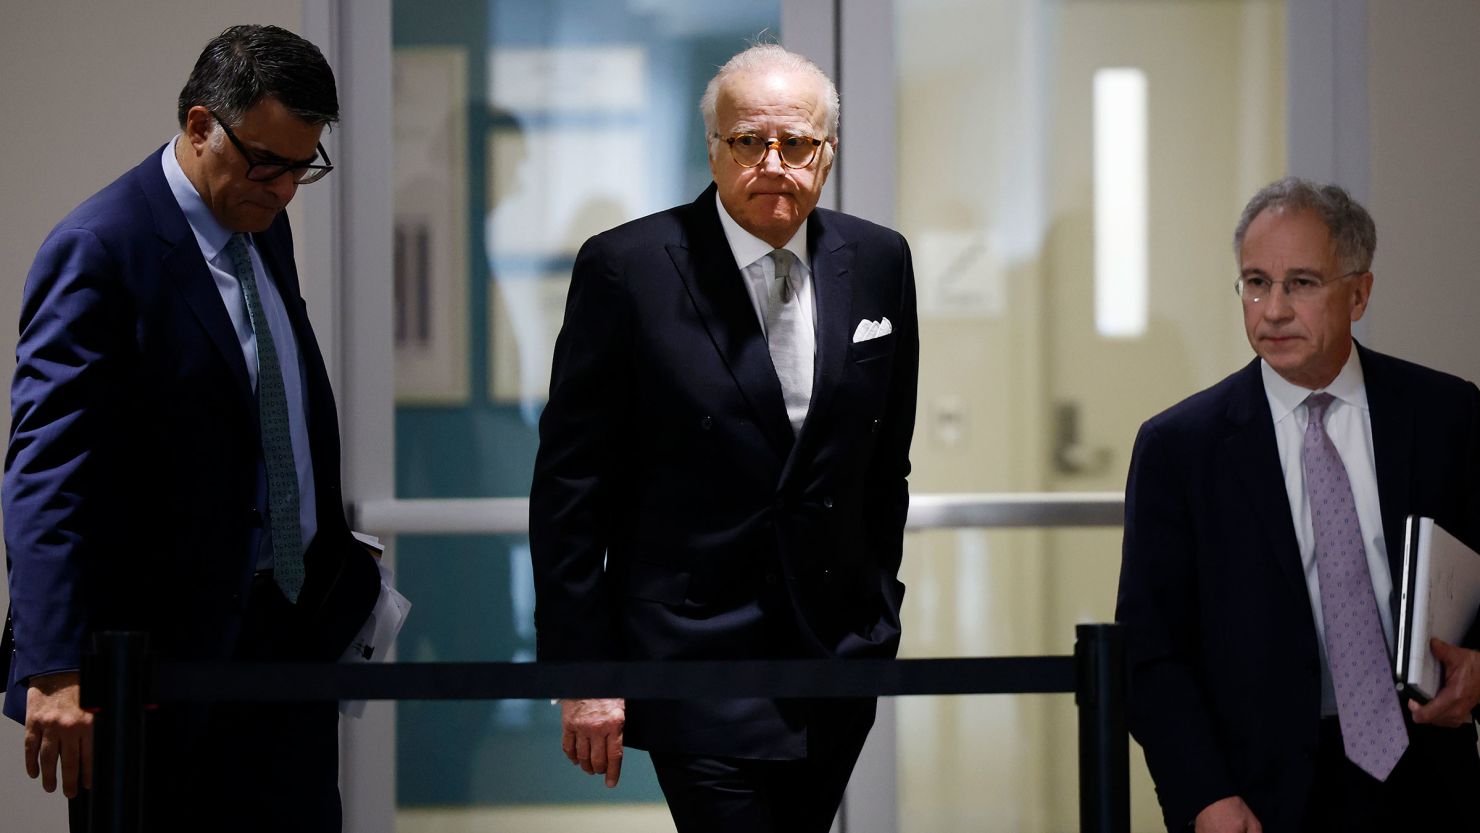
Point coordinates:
[(1251, 453), (832, 260), (707, 266), (1393, 435), (185, 267)]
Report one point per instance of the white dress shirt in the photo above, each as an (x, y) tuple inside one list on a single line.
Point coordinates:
[(1349, 425), (759, 271), (212, 238)]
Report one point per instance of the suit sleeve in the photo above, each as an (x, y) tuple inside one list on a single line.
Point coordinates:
[(569, 499), (1471, 505), (888, 493), (1158, 606), (66, 391)]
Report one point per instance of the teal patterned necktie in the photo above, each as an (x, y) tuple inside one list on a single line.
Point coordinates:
[(277, 439)]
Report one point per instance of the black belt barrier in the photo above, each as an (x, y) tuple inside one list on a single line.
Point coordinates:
[(119, 682)]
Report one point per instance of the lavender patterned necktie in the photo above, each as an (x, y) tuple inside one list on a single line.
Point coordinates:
[(277, 442), (1361, 671)]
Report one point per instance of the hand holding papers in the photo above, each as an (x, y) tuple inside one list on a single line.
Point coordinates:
[(378, 633), (1440, 596)]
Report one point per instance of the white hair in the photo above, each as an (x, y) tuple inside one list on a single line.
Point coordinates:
[(765, 57)]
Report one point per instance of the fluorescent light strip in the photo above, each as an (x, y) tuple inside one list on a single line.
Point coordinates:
[(1120, 202)]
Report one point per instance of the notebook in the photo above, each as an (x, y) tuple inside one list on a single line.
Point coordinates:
[(1440, 596)]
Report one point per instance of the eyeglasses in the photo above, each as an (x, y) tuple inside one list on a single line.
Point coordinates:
[(1256, 288), (303, 172), (749, 150)]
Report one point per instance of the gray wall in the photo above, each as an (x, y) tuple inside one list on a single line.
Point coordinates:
[(87, 90), (1425, 112)]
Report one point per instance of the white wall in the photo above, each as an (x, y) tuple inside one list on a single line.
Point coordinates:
[(1426, 181), (87, 89)]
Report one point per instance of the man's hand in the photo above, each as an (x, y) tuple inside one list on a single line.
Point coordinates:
[(1228, 815), (58, 730), (591, 735), (1453, 704)]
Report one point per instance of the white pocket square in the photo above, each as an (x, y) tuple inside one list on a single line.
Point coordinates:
[(868, 330)]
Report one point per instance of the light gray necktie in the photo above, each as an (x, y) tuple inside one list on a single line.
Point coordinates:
[(1361, 671), (786, 339), (277, 438)]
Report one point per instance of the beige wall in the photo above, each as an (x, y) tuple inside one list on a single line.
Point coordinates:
[(1425, 112), (87, 90)]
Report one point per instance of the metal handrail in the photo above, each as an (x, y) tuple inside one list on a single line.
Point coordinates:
[(510, 516)]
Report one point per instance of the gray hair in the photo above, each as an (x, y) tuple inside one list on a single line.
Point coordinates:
[(1350, 226), (761, 58)]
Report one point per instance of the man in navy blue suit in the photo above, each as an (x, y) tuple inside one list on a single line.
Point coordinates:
[(173, 464), (1263, 540), (722, 462)]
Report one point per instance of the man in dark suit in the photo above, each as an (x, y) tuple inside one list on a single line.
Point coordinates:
[(1263, 539), (174, 456), (722, 461)]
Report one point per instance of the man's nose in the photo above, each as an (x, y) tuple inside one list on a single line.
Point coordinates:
[(283, 186), (1277, 302), (771, 160)]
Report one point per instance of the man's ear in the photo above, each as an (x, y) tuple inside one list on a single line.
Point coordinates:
[(199, 125), (830, 148), (1361, 294)]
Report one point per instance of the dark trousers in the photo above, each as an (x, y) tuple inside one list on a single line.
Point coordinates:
[(1432, 788), (239, 767), (741, 795)]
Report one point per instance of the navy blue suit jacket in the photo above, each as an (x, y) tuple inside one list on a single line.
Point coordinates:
[(674, 516), (134, 488), (1222, 644)]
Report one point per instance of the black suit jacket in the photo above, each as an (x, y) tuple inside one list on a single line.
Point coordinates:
[(673, 515), (134, 486), (1222, 644)]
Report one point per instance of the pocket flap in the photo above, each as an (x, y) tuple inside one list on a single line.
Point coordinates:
[(657, 583)]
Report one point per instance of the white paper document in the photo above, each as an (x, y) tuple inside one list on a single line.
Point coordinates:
[(376, 636), (1441, 593)]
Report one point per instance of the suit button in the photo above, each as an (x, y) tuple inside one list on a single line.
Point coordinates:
[(827, 503), (254, 516), (771, 578), (706, 423), (826, 576), (874, 428)]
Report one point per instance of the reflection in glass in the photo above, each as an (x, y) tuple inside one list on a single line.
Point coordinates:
[(520, 129)]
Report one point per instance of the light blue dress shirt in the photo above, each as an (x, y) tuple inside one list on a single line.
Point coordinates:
[(213, 237)]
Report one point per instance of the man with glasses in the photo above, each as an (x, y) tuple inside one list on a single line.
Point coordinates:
[(722, 462), (1263, 539), (174, 457)]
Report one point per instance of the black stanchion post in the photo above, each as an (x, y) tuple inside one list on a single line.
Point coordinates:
[(113, 685), (1104, 743)]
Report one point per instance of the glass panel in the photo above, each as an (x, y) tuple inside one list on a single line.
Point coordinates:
[(1019, 390), (520, 129)]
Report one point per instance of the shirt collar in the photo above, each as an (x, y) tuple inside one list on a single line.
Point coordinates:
[(209, 233), (1349, 386), (747, 248)]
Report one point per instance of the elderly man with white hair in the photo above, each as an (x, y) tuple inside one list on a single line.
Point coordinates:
[(723, 459)]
